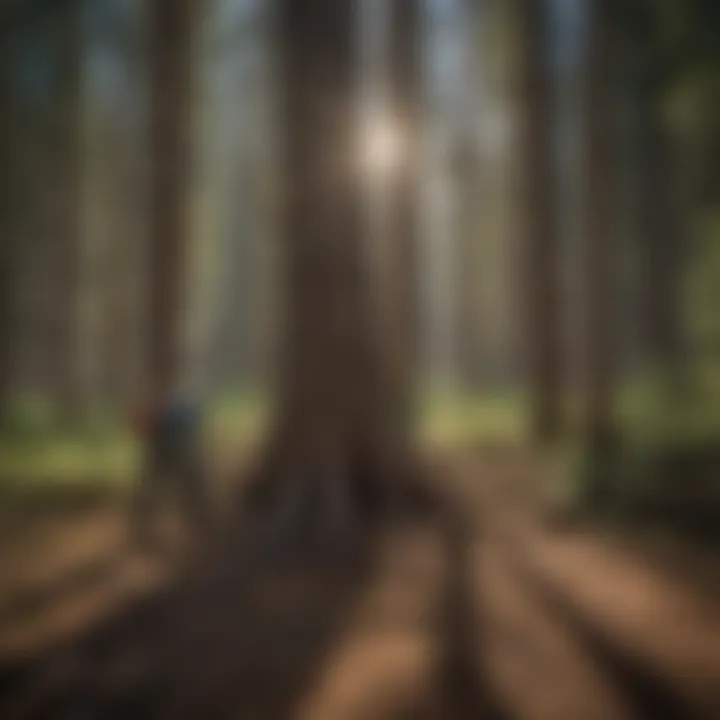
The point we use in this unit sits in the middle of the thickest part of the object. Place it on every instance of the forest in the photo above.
(360, 359)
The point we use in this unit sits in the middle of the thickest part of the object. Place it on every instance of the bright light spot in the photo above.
(382, 146)
(494, 133)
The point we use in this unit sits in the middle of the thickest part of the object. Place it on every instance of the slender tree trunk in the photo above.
(659, 201)
(660, 250)
(171, 35)
(67, 199)
(7, 241)
(474, 345)
(334, 449)
(469, 257)
(543, 337)
(404, 90)
(598, 219)
(119, 276)
(119, 272)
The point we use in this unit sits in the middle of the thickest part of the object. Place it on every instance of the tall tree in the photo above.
(661, 254)
(172, 24)
(659, 210)
(542, 314)
(115, 217)
(598, 228)
(66, 170)
(475, 292)
(333, 448)
(404, 96)
(470, 319)
(672, 59)
(6, 182)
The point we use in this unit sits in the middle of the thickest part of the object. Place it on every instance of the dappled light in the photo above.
(383, 146)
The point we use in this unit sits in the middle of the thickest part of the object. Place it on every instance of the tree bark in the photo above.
(404, 90)
(598, 217)
(67, 214)
(471, 318)
(542, 314)
(334, 450)
(171, 40)
(658, 203)
(474, 317)
(120, 269)
(7, 241)
(660, 243)
(171, 50)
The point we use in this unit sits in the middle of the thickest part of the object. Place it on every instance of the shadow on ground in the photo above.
(242, 634)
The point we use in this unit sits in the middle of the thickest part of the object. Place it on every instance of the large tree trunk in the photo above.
(543, 337)
(334, 448)
(599, 231)
(171, 34)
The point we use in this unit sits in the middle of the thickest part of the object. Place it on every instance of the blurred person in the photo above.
(172, 469)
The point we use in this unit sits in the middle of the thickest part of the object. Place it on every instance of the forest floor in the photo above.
(491, 612)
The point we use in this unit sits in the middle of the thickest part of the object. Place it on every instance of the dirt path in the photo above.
(481, 612)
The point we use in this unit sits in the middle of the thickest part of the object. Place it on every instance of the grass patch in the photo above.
(38, 455)
(67, 461)
(239, 415)
(456, 417)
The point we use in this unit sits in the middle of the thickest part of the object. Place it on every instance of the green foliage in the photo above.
(37, 451)
(653, 411)
(64, 462)
(31, 422)
(239, 414)
(449, 416)
(26, 422)
(703, 288)
(664, 467)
